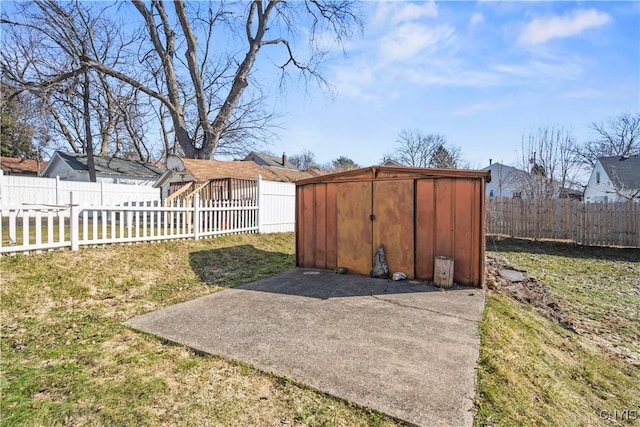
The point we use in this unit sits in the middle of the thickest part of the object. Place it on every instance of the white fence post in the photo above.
(259, 201)
(4, 196)
(73, 224)
(57, 190)
(196, 216)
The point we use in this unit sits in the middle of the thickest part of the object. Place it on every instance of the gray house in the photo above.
(110, 170)
(268, 160)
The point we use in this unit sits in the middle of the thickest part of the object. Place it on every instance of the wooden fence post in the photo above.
(73, 224)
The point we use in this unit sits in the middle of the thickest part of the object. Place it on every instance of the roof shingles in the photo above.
(13, 165)
(111, 165)
(624, 172)
(205, 170)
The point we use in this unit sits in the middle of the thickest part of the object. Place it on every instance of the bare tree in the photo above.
(549, 157)
(618, 136)
(23, 129)
(209, 94)
(42, 55)
(209, 90)
(304, 160)
(415, 149)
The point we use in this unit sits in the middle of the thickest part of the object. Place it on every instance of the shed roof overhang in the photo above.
(394, 172)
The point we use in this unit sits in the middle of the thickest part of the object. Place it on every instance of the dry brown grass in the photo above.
(67, 359)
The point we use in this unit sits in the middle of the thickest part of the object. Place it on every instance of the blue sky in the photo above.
(481, 73)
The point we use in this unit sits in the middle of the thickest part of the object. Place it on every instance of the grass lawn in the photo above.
(534, 372)
(67, 360)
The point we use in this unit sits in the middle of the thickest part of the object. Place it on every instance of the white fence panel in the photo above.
(35, 227)
(277, 201)
(18, 190)
(44, 227)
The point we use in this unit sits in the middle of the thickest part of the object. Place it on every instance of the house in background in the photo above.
(17, 166)
(506, 181)
(614, 179)
(220, 180)
(280, 166)
(391, 162)
(511, 182)
(269, 160)
(111, 170)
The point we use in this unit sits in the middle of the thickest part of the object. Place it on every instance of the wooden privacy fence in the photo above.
(604, 224)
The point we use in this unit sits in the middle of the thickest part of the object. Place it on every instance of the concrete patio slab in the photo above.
(406, 349)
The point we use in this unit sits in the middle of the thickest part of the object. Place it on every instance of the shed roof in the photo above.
(110, 165)
(22, 166)
(395, 172)
(624, 172)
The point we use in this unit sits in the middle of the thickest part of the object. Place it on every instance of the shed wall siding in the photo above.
(415, 219)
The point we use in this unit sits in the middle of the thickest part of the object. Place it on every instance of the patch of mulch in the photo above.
(528, 290)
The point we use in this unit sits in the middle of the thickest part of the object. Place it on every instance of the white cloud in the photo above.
(390, 13)
(476, 19)
(326, 41)
(452, 76)
(413, 12)
(541, 30)
(410, 39)
(472, 109)
(565, 69)
(355, 80)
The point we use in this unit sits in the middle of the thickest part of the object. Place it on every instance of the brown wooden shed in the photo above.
(417, 214)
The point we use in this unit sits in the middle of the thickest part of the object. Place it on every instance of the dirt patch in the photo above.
(525, 289)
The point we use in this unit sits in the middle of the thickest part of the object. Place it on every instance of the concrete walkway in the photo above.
(406, 349)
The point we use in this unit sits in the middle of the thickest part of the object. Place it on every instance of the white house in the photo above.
(614, 179)
(506, 181)
(110, 170)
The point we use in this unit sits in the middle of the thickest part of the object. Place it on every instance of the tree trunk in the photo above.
(87, 127)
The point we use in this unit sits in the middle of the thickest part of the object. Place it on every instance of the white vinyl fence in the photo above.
(29, 227)
(277, 201)
(18, 190)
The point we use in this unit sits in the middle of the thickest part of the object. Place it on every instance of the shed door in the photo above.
(390, 204)
(353, 200)
(393, 225)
